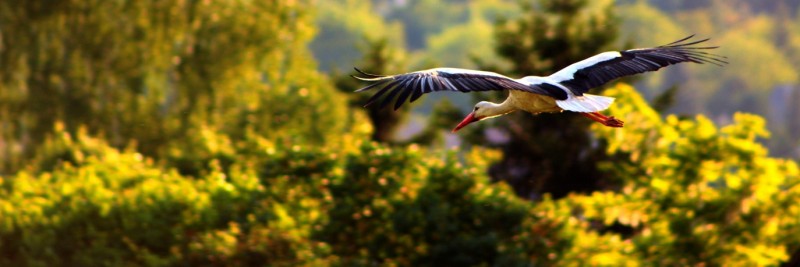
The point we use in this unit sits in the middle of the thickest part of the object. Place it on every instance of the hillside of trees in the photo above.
(226, 133)
(759, 38)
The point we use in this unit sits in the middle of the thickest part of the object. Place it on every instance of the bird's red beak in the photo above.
(469, 119)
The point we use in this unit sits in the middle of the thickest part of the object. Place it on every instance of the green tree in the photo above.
(444, 114)
(552, 152)
(347, 30)
(277, 203)
(152, 72)
(638, 21)
(105, 207)
(756, 73)
(690, 193)
(449, 48)
(422, 18)
(709, 194)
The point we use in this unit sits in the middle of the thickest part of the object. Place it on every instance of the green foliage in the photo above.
(238, 153)
(424, 17)
(148, 71)
(690, 193)
(638, 21)
(277, 204)
(449, 48)
(346, 29)
(114, 208)
(759, 47)
(407, 208)
(444, 114)
(747, 82)
(766, 66)
(709, 194)
(554, 34)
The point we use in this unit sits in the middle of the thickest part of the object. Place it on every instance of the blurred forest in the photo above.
(430, 33)
(226, 133)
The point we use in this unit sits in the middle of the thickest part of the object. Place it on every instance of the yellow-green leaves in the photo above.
(150, 72)
(716, 189)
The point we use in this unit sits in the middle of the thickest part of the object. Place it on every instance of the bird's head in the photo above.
(482, 110)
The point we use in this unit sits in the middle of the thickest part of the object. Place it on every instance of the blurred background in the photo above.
(226, 133)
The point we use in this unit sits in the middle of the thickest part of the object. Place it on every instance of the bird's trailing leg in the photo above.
(609, 121)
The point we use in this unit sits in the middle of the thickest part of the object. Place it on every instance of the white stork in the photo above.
(563, 90)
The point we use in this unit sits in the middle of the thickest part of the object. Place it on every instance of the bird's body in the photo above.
(533, 103)
(563, 90)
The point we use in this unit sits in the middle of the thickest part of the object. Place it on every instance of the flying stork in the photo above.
(563, 90)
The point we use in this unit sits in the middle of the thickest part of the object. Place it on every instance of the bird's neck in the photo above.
(494, 110)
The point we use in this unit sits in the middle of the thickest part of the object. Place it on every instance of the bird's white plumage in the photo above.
(532, 80)
(568, 72)
(585, 103)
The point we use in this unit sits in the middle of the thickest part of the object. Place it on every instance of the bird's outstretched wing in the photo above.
(414, 84)
(604, 67)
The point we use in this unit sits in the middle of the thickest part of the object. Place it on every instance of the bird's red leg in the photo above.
(609, 121)
(593, 117)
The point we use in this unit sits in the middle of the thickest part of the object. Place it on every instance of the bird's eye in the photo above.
(476, 109)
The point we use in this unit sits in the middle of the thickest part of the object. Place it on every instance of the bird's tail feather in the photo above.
(585, 103)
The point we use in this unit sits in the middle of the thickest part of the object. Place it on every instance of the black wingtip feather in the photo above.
(417, 92)
(396, 88)
(415, 95)
(383, 90)
(369, 86)
(401, 99)
(366, 74)
(408, 88)
(690, 43)
(678, 41)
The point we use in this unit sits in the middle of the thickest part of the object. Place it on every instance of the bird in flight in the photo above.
(563, 90)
